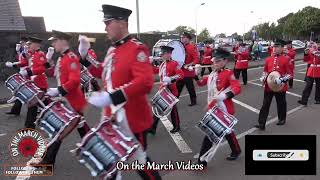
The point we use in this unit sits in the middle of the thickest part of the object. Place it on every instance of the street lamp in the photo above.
(138, 20)
(197, 21)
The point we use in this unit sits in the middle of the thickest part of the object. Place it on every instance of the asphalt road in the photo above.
(164, 146)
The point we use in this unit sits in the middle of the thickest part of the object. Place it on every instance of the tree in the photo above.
(181, 29)
(204, 35)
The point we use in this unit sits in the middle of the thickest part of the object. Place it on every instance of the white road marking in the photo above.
(177, 138)
(301, 81)
(291, 93)
(5, 105)
(25, 175)
(246, 106)
(3, 134)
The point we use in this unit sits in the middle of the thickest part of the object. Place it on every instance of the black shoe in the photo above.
(192, 104)
(261, 127)
(282, 122)
(12, 113)
(233, 157)
(290, 87)
(204, 163)
(317, 102)
(174, 130)
(152, 131)
(301, 102)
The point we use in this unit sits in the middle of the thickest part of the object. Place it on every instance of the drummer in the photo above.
(280, 63)
(169, 73)
(222, 87)
(68, 79)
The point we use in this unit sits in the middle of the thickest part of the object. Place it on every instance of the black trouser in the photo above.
(305, 77)
(244, 74)
(188, 81)
(16, 108)
(32, 113)
(290, 82)
(281, 106)
(207, 144)
(308, 88)
(53, 149)
(175, 120)
(204, 69)
(145, 174)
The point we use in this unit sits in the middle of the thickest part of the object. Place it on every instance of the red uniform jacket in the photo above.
(292, 55)
(68, 77)
(314, 69)
(132, 80)
(225, 79)
(207, 55)
(235, 49)
(192, 58)
(170, 69)
(23, 61)
(280, 63)
(242, 60)
(36, 69)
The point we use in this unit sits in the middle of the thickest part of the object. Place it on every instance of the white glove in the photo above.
(53, 92)
(262, 78)
(9, 64)
(18, 46)
(190, 68)
(167, 80)
(197, 69)
(50, 53)
(83, 47)
(151, 59)
(220, 97)
(23, 73)
(278, 81)
(100, 99)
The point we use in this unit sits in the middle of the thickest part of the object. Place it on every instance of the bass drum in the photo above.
(178, 54)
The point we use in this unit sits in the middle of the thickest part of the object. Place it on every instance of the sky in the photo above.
(218, 16)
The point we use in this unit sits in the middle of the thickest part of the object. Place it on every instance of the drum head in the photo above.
(179, 52)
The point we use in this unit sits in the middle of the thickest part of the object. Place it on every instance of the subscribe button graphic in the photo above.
(280, 155)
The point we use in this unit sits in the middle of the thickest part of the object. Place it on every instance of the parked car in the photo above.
(297, 44)
(265, 46)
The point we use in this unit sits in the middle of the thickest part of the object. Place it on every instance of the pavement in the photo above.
(185, 145)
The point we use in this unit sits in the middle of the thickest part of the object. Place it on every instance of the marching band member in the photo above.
(280, 63)
(67, 73)
(20, 49)
(222, 87)
(169, 74)
(192, 58)
(128, 79)
(313, 74)
(292, 54)
(242, 64)
(310, 48)
(35, 71)
(206, 60)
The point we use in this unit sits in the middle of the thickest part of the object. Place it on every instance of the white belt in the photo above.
(315, 65)
(242, 60)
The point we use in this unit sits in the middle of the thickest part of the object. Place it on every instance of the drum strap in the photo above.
(162, 71)
(57, 71)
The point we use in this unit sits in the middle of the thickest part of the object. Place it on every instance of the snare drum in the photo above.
(162, 102)
(24, 90)
(85, 78)
(57, 121)
(216, 124)
(103, 147)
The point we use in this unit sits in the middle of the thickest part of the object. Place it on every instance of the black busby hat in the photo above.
(34, 39)
(243, 44)
(60, 35)
(279, 42)
(114, 12)
(221, 53)
(186, 34)
(166, 48)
